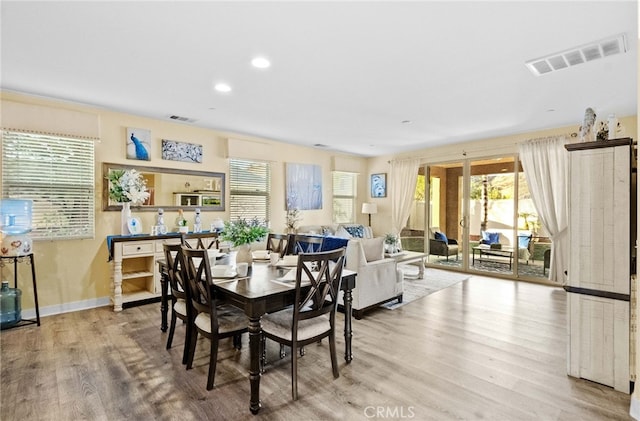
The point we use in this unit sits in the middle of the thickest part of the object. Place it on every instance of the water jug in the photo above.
(10, 306)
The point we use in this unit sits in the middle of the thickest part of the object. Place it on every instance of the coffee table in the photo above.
(409, 257)
(502, 255)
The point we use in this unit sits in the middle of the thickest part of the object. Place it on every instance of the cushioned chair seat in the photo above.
(280, 324)
(180, 306)
(229, 319)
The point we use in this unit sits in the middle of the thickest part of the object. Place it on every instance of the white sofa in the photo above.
(337, 230)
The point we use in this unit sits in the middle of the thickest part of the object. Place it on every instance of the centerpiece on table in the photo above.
(127, 187)
(241, 233)
(293, 217)
(391, 244)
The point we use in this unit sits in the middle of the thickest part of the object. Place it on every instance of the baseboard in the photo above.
(66, 307)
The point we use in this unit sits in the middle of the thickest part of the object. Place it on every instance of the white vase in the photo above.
(243, 255)
(125, 214)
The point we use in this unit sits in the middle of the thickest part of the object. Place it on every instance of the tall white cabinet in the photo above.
(602, 218)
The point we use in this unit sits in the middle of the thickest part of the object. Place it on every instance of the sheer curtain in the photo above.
(403, 177)
(546, 168)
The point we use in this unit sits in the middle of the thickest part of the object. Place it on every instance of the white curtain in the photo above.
(546, 168)
(403, 178)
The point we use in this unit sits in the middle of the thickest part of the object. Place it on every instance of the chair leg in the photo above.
(213, 361)
(294, 372)
(192, 348)
(334, 356)
(172, 328)
(187, 342)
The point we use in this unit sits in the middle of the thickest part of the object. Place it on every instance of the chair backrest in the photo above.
(203, 240)
(198, 274)
(175, 269)
(300, 243)
(278, 243)
(318, 278)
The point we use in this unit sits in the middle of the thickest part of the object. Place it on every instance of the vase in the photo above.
(243, 254)
(125, 214)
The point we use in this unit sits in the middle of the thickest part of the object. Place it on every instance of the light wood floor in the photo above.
(483, 349)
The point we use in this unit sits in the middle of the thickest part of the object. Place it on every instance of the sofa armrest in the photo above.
(453, 242)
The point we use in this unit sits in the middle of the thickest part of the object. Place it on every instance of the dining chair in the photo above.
(313, 315)
(203, 240)
(278, 243)
(212, 319)
(301, 243)
(181, 307)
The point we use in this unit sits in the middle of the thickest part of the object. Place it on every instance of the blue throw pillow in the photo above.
(355, 230)
(490, 237)
(523, 241)
(440, 236)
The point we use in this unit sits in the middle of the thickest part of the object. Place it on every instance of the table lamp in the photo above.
(369, 208)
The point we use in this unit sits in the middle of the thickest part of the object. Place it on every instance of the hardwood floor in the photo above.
(483, 349)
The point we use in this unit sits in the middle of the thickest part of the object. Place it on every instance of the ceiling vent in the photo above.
(183, 119)
(578, 55)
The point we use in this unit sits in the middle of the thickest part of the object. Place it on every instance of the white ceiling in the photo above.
(343, 74)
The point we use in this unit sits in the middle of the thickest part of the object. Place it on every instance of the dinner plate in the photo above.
(134, 225)
(227, 275)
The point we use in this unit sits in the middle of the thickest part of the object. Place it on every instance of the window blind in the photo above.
(344, 196)
(249, 189)
(57, 174)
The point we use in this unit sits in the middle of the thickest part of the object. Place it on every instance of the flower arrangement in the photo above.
(293, 217)
(244, 231)
(127, 186)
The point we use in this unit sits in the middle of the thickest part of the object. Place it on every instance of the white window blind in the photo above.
(344, 196)
(57, 173)
(249, 188)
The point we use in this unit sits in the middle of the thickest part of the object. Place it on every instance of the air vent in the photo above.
(320, 145)
(184, 119)
(578, 55)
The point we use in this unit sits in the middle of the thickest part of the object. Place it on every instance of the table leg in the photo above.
(421, 269)
(254, 367)
(348, 334)
(164, 307)
(35, 289)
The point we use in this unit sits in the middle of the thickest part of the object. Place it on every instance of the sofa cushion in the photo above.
(373, 248)
(356, 231)
(490, 237)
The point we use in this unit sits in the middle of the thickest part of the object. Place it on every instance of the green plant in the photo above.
(391, 239)
(244, 231)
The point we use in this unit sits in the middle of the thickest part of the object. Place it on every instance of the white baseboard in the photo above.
(66, 307)
(634, 408)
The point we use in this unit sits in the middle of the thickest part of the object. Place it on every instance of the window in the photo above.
(249, 187)
(57, 173)
(344, 196)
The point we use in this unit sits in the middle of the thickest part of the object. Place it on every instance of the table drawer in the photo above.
(137, 248)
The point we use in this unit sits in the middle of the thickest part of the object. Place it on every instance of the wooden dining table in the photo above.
(257, 294)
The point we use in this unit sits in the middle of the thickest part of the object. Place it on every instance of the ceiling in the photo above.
(368, 78)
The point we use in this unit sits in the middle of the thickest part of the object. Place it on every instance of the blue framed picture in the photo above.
(379, 185)
(138, 144)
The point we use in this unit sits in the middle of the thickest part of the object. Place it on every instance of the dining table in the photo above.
(262, 291)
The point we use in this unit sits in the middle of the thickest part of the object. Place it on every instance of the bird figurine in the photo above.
(141, 151)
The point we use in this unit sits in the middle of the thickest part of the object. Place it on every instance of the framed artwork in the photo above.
(181, 151)
(138, 144)
(379, 185)
(304, 186)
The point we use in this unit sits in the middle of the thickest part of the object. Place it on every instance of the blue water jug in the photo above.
(10, 306)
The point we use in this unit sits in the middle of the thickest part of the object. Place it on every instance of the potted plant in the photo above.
(391, 243)
(127, 187)
(293, 216)
(241, 233)
(181, 222)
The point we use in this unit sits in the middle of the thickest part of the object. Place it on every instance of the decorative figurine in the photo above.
(197, 223)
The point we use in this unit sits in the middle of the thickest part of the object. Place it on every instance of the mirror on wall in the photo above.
(172, 189)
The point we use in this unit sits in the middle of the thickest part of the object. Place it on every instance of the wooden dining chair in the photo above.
(300, 243)
(200, 240)
(313, 315)
(278, 243)
(181, 307)
(212, 320)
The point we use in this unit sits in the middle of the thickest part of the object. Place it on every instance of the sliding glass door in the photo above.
(480, 218)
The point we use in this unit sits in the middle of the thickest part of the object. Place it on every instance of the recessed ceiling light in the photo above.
(260, 63)
(222, 87)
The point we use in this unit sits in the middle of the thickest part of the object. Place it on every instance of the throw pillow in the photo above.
(356, 231)
(440, 236)
(523, 241)
(343, 233)
(490, 237)
(373, 248)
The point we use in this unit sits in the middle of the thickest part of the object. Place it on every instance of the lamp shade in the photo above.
(369, 208)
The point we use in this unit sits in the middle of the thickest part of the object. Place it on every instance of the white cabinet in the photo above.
(601, 235)
(135, 275)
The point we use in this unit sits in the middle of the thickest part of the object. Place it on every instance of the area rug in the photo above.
(434, 280)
